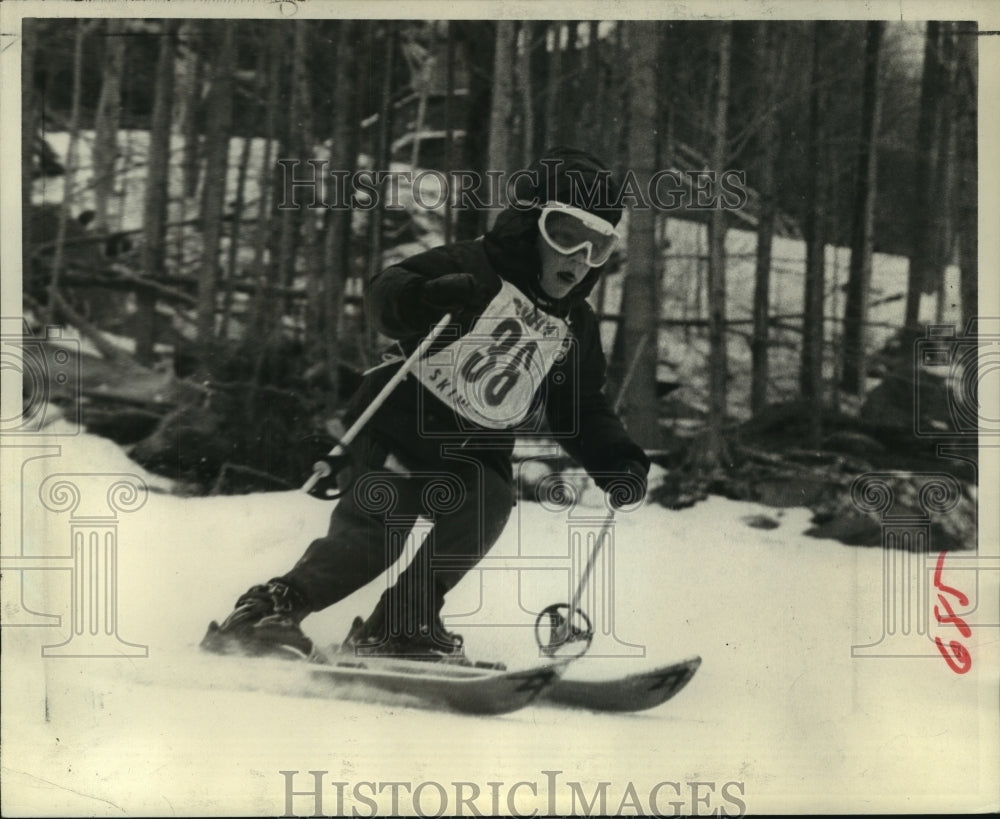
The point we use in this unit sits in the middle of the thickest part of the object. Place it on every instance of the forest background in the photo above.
(768, 352)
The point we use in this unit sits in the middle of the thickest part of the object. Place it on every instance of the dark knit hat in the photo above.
(573, 176)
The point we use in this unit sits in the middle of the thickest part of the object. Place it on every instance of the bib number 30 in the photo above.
(491, 375)
(497, 369)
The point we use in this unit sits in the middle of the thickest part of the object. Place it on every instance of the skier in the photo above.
(524, 357)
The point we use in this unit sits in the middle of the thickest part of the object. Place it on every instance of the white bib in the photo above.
(490, 375)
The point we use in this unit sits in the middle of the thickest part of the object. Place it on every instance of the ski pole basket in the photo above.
(558, 627)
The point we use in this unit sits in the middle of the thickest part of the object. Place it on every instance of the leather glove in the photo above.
(628, 487)
(456, 293)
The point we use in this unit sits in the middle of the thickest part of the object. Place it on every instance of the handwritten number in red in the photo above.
(955, 654)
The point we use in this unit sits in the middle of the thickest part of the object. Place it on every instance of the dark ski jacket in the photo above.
(415, 425)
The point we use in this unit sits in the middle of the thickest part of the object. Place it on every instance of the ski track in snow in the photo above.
(778, 704)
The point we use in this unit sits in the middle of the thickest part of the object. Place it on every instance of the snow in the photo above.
(780, 717)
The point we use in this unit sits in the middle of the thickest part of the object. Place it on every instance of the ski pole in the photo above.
(553, 629)
(324, 468)
(574, 603)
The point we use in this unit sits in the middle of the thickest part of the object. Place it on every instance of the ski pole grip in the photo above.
(322, 483)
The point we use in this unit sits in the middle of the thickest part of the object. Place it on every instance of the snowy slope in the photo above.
(779, 718)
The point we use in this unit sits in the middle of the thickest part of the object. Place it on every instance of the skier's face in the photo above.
(561, 272)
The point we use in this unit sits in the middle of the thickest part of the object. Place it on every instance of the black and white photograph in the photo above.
(499, 409)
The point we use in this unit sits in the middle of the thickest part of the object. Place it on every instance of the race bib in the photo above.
(490, 376)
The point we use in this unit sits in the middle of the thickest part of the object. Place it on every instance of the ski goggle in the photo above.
(568, 230)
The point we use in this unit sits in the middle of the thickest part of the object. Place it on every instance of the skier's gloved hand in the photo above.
(455, 293)
(629, 485)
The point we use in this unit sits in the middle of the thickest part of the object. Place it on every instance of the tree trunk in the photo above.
(592, 98)
(967, 183)
(449, 131)
(766, 63)
(217, 135)
(269, 61)
(337, 241)
(529, 31)
(813, 325)
(569, 104)
(285, 245)
(614, 136)
(382, 156)
(420, 80)
(478, 40)
(502, 109)
(154, 212)
(540, 84)
(190, 104)
(718, 357)
(29, 142)
(69, 177)
(859, 277)
(303, 143)
(553, 97)
(642, 297)
(927, 145)
(105, 150)
(943, 223)
(239, 203)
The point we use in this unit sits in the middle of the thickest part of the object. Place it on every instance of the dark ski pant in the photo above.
(468, 504)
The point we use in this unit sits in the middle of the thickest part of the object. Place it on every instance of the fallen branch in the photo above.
(149, 284)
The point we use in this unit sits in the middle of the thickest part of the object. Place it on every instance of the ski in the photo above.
(468, 688)
(631, 692)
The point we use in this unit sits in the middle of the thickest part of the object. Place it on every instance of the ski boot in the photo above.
(265, 622)
(376, 637)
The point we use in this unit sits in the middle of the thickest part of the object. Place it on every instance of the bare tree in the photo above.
(449, 130)
(156, 194)
(383, 150)
(269, 65)
(862, 230)
(813, 335)
(303, 140)
(718, 357)
(767, 44)
(928, 124)
(69, 179)
(553, 95)
(943, 225)
(529, 32)
(29, 142)
(966, 146)
(592, 97)
(337, 240)
(189, 82)
(642, 296)
(105, 149)
(502, 112)
(217, 136)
